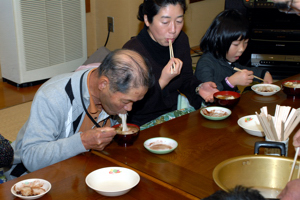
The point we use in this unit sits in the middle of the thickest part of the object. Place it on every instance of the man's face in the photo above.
(118, 102)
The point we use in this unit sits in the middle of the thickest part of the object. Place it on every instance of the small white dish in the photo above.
(259, 89)
(16, 188)
(160, 145)
(112, 181)
(251, 125)
(219, 111)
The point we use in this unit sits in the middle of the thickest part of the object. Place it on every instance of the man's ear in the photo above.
(103, 83)
(146, 21)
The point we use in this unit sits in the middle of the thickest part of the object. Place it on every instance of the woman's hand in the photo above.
(243, 77)
(207, 90)
(168, 73)
(268, 78)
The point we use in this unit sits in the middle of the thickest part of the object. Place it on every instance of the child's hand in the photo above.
(243, 77)
(168, 73)
(268, 78)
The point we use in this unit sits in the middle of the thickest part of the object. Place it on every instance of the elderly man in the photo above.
(73, 113)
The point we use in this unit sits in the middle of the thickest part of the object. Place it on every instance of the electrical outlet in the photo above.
(110, 24)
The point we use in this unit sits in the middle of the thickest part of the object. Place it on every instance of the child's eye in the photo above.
(179, 22)
(165, 22)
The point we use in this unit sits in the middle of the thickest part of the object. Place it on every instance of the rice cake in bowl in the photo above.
(227, 99)
(31, 188)
(291, 87)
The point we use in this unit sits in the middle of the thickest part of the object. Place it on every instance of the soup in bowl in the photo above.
(126, 138)
(227, 99)
(291, 87)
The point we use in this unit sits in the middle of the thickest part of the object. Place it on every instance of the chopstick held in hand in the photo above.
(171, 55)
(237, 69)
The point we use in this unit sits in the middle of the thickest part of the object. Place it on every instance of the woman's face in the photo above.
(236, 49)
(166, 25)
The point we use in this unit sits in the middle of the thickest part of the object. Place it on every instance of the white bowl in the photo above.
(112, 181)
(256, 87)
(160, 145)
(251, 125)
(30, 182)
(217, 109)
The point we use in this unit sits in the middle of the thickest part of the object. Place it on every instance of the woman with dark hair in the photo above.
(163, 24)
(223, 43)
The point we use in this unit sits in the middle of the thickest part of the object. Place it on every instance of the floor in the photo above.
(11, 95)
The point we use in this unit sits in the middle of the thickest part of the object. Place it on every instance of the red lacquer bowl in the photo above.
(228, 103)
(128, 138)
(291, 90)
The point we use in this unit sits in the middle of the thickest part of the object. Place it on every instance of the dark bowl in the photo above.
(129, 138)
(290, 90)
(228, 103)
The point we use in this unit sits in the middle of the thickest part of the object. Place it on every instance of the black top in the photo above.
(6, 152)
(157, 102)
(212, 69)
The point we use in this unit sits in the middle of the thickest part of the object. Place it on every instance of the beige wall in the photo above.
(197, 19)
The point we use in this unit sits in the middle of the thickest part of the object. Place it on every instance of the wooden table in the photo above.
(202, 144)
(68, 182)
(186, 173)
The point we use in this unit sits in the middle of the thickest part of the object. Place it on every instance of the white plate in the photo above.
(112, 181)
(217, 109)
(28, 182)
(276, 89)
(163, 145)
(251, 125)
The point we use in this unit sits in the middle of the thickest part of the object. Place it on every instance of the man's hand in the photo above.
(295, 5)
(97, 138)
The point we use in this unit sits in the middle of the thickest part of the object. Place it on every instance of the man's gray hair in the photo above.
(126, 69)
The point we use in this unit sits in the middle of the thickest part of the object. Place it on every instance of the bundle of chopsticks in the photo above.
(171, 55)
(281, 125)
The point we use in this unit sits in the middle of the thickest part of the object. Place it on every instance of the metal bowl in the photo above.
(267, 174)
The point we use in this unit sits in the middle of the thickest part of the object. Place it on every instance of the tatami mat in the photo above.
(12, 119)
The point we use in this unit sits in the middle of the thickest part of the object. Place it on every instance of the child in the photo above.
(223, 43)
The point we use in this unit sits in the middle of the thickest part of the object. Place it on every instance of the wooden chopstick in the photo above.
(293, 166)
(237, 69)
(171, 55)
